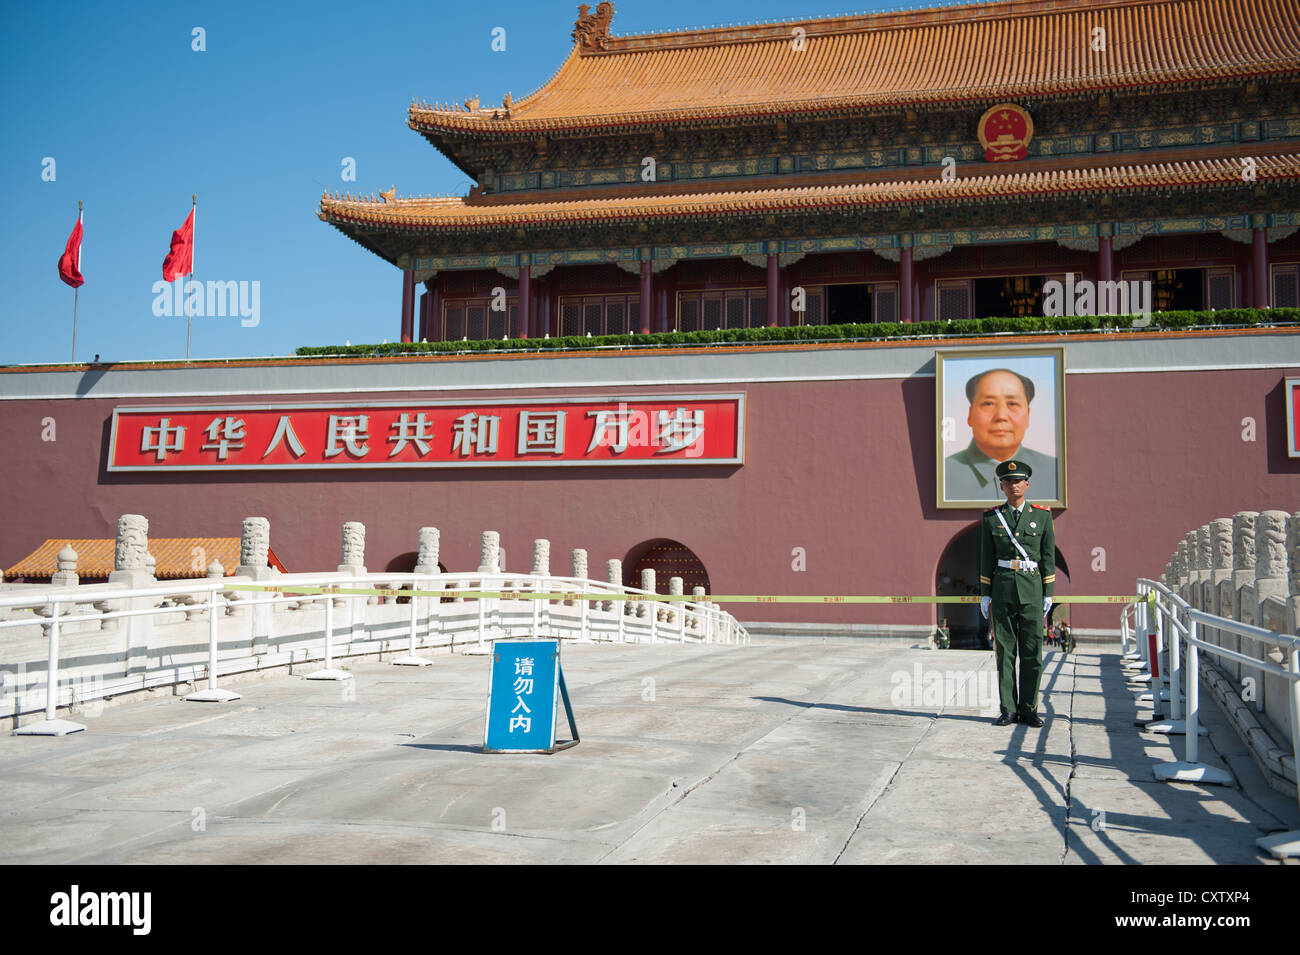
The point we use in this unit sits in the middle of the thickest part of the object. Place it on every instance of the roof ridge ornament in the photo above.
(591, 31)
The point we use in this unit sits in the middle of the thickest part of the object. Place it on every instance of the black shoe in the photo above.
(1015, 718)
(1002, 720)
(1032, 719)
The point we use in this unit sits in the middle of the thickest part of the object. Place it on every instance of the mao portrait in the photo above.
(993, 406)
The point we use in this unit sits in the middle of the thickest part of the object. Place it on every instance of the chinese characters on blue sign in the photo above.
(524, 686)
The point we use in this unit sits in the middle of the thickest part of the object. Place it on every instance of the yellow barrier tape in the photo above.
(667, 598)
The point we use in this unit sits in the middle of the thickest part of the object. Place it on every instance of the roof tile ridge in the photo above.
(970, 11)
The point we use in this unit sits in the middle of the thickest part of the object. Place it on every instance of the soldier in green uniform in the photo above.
(1017, 577)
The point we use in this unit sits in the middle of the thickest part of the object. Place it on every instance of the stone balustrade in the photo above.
(1245, 568)
(162, 639)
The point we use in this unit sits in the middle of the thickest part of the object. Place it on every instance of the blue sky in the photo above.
(258, 125)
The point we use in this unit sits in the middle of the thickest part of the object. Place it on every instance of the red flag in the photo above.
(70, 260)
(180, 260)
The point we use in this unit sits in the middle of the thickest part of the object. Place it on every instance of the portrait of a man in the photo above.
(993, 407)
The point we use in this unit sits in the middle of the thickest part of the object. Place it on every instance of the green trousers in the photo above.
(1018, 629)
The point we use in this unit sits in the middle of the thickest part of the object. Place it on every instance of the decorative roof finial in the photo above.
(591, 31)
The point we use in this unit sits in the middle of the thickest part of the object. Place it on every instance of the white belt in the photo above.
(1019, 564)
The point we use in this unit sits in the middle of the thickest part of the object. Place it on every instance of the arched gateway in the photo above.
(958, 575)
(667, 558)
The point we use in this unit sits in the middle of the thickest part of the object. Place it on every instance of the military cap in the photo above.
(1013, 469)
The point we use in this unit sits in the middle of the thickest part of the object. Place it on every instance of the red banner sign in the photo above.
(569, 431)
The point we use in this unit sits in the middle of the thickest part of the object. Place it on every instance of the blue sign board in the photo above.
(524, 686)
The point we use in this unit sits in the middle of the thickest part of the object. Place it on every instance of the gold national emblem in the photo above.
(1011, 466)
(1005, 131)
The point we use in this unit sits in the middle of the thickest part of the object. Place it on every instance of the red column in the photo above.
(1105, 264)
(646, 307)
(665, 312)
(525, 301)
(433, 330)
(422, 314)
(773, 289)
(546, 308)
(408, 302)
(1259, 261)
(905, 291)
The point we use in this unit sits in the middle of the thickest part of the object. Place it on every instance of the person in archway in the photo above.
(1017, 579)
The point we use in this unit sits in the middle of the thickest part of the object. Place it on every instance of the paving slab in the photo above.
(781, 752)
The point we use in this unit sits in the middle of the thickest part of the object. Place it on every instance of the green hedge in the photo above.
(966, 328)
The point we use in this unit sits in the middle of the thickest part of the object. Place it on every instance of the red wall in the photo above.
(844, 470)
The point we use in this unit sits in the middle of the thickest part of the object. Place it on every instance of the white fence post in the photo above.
(412, 659)
(51, 725)
(212, 694)
(328, 672)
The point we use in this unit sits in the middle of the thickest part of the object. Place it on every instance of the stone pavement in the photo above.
(802, 752)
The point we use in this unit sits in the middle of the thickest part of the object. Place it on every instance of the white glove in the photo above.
(1047, 605)
(984, 606)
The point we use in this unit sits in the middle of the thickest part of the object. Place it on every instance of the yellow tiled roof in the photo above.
(636, 202)
(1023, 48)
(176, 557)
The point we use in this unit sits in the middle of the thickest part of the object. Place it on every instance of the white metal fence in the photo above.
(1164, 635)
(77, 646)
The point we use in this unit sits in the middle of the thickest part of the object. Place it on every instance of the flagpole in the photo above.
(75, 292)
(189, 316)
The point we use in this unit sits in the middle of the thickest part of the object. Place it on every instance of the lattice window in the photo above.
(597, 314)
(953, 300)
(476, 326)
(734, 308)
(474, 319)
(1177, 248)
(1006, 256)
(814, 312)
(570, 319)
(1286, 286)
(729, 308)
(453, 323)
(499, 323)
(1220, 286)
(711, 311)
(616, 318)
(884, 302)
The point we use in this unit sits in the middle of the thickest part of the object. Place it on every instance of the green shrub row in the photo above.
(965, 328)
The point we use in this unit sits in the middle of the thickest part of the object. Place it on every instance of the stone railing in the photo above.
(1245, 568)
(135, 633)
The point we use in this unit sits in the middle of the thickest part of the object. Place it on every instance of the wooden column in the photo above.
(433, 313)
(665, 312)
(525, 301)
(905, 290)
(1259, 263)
(773, 289)
(408, 302)
(1105, 266)
(920, 287)
(646, 307)
(548, 298)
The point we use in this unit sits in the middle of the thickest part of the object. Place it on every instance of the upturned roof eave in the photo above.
(429, 121)
(349, 220)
